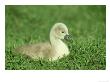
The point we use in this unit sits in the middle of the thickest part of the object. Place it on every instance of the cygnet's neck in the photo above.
(55, 41)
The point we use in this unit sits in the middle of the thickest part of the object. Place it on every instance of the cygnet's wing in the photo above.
(36, 50)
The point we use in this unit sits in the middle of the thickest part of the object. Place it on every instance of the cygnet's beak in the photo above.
(67, 37)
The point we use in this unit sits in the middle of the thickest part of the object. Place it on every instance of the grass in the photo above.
(31, 24)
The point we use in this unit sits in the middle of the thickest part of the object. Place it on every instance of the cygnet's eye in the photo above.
(62, 31)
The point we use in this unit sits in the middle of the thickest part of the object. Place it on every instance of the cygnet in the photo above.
(52, 50)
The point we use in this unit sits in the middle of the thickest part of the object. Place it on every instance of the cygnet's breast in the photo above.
(61, 49)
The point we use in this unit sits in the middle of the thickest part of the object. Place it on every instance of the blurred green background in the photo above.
(31, 24)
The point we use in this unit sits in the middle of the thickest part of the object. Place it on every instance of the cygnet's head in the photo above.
(59, 31)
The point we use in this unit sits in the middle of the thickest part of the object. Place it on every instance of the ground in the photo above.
(31, 24)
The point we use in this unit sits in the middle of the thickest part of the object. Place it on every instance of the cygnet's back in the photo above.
(35, 51)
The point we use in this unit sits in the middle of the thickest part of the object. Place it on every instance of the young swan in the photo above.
(52, 50)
